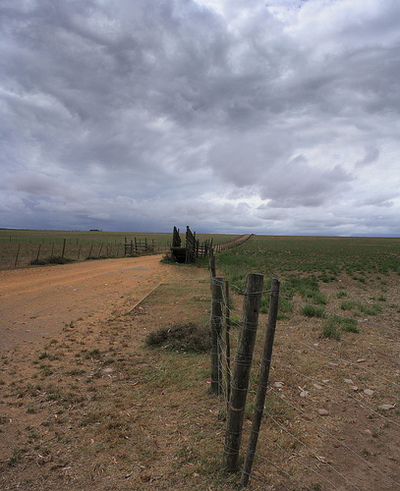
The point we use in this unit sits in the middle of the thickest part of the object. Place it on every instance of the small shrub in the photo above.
(38, 262)
(348, 304)
(373, 309)
(326, 278)
(312, 311)
(333, 326)
(349, 325)
(95, 353)
(331, 329)
(319, 298)
(15, 457)
(182, 337)
(59, 260)
(46, 370)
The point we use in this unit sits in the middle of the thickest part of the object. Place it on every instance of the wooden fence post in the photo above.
(211, 264)
(16, 258)
(38, 253)
(241, 374)
(216, 335)
(63, 250)
(228, 342)
(263, 381)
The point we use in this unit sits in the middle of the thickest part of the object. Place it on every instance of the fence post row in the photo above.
(262, 382)
(241, 373)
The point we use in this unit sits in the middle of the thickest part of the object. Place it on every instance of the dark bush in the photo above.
(182, 337)
(59, 260)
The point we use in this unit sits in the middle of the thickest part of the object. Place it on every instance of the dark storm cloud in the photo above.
(240, 113)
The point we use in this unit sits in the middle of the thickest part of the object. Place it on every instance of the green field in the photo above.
(355, 277)
(324, 257)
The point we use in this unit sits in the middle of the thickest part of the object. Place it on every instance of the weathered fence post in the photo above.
(216, 335)
(211, 264)
(228, 342)
(38, 253)
(16, 258)
(263, 381)
(63, 249)
(241, 373)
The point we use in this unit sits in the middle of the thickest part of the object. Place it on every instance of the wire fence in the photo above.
(331, 415)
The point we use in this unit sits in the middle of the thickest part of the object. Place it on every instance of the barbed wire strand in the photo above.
(360, 367)
(336, 439)
(307, 447)
(305, 465)
(309, 378)
(359, 401)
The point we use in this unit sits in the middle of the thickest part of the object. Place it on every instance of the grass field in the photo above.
(324, 257)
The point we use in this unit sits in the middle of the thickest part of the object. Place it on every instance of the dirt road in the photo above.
(38, 302)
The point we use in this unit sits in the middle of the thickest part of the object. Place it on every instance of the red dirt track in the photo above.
(38, 302)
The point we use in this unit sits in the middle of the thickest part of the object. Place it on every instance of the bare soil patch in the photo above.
(83, 401)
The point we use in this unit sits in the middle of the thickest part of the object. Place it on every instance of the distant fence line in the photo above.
(232, 244)
(15, 254)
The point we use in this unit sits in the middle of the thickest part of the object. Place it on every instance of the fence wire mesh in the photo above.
(327, 413)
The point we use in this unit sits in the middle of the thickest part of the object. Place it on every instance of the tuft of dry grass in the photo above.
(181, 337)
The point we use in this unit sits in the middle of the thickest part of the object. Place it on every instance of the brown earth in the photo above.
(86, 405)
(75, 410)
(38, 302)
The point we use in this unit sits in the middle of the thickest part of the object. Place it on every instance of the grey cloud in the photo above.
(296, 183)
(120, 108)
(371, 156)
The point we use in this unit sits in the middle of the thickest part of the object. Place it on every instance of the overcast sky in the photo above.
(231, 116)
